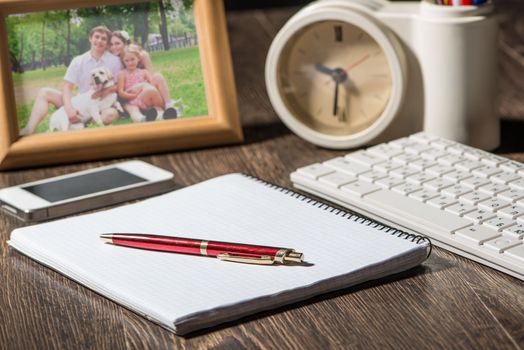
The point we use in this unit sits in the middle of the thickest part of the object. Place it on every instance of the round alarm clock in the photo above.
(336, 76)
(344, 73)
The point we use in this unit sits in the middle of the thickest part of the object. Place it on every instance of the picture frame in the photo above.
(221, 125)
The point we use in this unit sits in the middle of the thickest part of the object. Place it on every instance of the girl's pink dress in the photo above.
(132, 79)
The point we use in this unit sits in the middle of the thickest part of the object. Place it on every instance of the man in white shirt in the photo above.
(78, 74)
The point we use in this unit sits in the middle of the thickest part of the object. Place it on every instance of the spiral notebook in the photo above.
(184, 293)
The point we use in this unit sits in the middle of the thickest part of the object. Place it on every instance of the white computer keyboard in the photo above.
(465, 200)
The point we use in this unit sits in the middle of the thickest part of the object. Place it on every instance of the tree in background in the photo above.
(43, 39)
(163, 25)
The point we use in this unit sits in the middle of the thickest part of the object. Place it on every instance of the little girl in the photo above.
(135, 85)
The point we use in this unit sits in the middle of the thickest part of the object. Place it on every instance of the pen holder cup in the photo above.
(458, 54)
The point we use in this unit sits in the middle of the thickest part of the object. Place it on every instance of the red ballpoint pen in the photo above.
(236, 252)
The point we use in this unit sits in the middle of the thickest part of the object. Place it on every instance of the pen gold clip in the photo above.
(261, 260)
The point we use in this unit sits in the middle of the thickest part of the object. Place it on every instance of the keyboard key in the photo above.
(359, 188)
(450, 159)
(457, 176)
(511, 195)
(421, 164)
(433, 154)
(386, 167)
(437, 184)
(492, 189)
(346, 166)
(493, 160)
(424, 195)
(364, 158)
(314, 171)
(406, 188)
(499, 223)
(443, 144)
(337, 179)
(405, 159)
(461, 208)
(493, 204)
(518, 184)
(511, 212)
(457, 149)
(468, 165)
(476, 234)
(474, 153)
(389, 182)
(512, 166)
(474, 182)
(402, 143)
(403, 172)
(372, 176)
(515, 230)
(416, 148)
(385, 151)
(441, 202)
(504, 178)
(486, 171)
(456, 191)
(423, 137)
(473, 197)
(439, 170)
(500, 244)
(480, 215)
(419, 178)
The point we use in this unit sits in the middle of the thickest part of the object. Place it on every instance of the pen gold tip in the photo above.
(294, 257)
(107, 237)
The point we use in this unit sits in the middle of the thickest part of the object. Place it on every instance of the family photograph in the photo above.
(105, 65)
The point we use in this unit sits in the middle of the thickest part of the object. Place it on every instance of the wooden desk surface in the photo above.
(448, 302)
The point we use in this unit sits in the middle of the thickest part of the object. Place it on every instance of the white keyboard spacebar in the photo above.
(413, 214)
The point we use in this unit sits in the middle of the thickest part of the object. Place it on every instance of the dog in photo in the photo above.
(88, 107)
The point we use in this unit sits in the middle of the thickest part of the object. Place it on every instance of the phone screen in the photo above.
(82, 185)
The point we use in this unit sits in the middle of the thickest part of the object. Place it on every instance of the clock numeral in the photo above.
(338, 33)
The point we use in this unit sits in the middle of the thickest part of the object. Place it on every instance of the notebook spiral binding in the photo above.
(346, 213)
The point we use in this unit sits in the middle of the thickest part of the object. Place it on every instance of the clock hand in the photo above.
(340, 76)
(323, 69)
(354, 64)
(335, 102)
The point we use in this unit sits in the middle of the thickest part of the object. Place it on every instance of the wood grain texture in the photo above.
(448, 302)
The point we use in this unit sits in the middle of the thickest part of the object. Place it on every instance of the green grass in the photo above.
(181, 69)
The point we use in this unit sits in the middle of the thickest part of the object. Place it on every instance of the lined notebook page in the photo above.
(175, 288)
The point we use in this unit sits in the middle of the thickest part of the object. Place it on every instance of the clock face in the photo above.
(334, 78)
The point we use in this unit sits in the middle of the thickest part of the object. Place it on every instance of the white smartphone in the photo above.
(84, 190)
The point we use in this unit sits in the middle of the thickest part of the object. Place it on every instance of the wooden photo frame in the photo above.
(220, 125)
